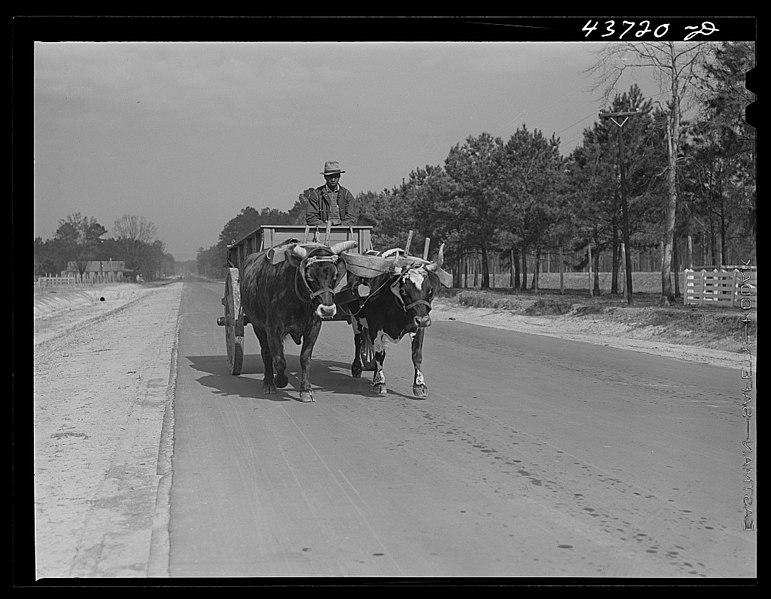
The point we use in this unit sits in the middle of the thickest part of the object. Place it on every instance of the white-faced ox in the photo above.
(399, 303)
(286, 291)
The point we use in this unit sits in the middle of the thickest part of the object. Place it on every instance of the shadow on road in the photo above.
(327, 376)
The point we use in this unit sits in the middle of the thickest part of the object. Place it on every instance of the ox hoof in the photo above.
(420, 391)
(281, 380)
(356, 371)
(268, 388)
(380, 388)
(306, 396)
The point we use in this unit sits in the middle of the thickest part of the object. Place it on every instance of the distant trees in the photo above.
(491, 197)
(211, 261)
(133, 234)
(477, 199)
(719, 175)
(531, 179)
(594, 182)
(79, 239)
(689, 164)
(679, 67)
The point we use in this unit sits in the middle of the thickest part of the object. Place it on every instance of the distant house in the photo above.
(100, 271)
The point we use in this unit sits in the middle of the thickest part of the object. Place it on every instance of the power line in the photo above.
(576, 123)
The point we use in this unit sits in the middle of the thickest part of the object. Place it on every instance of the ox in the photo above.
(287, 291)
(399, 302)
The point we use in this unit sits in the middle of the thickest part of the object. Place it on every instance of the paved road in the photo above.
(532, 456)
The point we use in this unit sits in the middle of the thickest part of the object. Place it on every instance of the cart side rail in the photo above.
(268, 236)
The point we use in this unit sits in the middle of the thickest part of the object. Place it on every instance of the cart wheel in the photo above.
(234, 322)
(367, 352)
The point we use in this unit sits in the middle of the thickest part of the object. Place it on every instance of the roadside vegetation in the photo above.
(683, 163)
(712, 327)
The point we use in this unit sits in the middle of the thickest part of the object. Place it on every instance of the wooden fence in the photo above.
(45, 281)
(86, 279)
(737, 288)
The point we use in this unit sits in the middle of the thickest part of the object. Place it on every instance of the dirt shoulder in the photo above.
(691, 334)
(61, 309)
(104, 372)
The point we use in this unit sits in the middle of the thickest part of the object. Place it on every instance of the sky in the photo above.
(187, 134)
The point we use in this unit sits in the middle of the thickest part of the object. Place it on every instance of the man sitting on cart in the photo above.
(330, 202)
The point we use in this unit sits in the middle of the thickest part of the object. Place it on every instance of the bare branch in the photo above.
(135, 228)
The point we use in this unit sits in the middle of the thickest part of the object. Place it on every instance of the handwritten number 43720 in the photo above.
(643, 28)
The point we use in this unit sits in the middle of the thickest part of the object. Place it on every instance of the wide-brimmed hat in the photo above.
(332, 167)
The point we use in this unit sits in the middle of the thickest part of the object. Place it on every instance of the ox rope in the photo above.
(369, 297)
(415, 303)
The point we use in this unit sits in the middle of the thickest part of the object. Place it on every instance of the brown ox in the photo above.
(289, 294)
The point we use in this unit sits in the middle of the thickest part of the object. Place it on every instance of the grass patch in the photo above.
(548, 306)
(590, 309)
(489, 299)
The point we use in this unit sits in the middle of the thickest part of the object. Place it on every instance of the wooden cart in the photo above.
(264, 238)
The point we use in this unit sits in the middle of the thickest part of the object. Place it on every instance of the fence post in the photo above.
(562, 273)
(491, 258)
(591, 284)
(511, 268)
(705, 279)
(623, 268)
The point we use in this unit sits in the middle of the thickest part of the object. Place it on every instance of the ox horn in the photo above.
(343, 246)
(299, 251)
(439, 260)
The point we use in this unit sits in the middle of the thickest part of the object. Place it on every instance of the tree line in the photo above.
(686, 161)
(80, 239)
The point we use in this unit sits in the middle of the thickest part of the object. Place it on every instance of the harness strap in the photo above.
(300, 296)
(406, 307)
(417, 302)
(392, 281)
(320, 291)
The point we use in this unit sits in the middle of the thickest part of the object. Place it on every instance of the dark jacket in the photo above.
(318, 206)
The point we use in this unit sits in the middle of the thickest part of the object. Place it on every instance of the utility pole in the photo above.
(624, 117)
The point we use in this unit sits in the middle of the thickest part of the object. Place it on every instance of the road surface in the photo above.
(532, 456)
